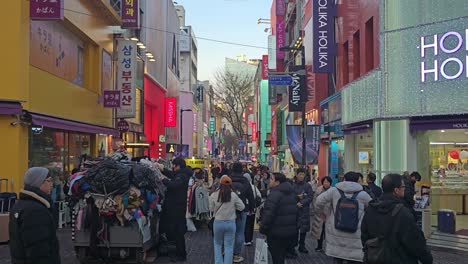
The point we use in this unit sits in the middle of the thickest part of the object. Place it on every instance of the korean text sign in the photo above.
(170, 119)
(111, 99)
(46, 9)
(126, 77)
(130, 14)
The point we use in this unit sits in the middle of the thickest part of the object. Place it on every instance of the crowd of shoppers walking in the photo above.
(355, 221)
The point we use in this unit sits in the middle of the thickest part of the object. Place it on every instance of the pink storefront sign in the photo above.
(46, 9)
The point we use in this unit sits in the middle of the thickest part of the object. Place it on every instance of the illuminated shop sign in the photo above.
(444, 56)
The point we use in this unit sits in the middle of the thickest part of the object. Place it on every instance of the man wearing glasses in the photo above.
(33, 236)
(389, 232)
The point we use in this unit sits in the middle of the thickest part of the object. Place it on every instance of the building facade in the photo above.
(410, 113)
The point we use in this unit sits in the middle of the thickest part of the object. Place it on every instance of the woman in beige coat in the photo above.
(318, 221)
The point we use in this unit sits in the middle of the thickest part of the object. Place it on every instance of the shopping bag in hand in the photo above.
(261, 251)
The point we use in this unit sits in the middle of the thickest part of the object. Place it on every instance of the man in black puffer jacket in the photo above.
(387, 220)
(173, 221)
(279, 222)
(242, 187)
(33, 238)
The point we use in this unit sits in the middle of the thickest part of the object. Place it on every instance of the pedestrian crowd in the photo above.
(352, 221)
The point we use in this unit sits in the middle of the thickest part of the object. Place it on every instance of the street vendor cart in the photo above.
(116, 206)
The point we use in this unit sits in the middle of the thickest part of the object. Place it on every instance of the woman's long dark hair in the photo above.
(224, 193)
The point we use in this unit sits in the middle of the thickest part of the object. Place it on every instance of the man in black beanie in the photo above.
(32, 227)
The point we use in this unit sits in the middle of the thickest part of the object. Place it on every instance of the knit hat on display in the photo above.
(35, 176)
(226, 180)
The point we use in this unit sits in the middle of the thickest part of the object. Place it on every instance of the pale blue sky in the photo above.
(226, 20)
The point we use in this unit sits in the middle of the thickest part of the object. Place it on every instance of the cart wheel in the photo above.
(81, 255)
(140, 256)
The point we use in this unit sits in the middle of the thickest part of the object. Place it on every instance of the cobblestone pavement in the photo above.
(200, 251)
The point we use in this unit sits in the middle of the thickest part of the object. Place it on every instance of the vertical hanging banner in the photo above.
(271, 52)
(130, 14)
(280, 7)
(212, 126)
(280, 38)
(297, 93)
(323, 27)
(265, 67)
(312, 143)
(46, 9)
(294, 135)
(126, 77)
(170, 118)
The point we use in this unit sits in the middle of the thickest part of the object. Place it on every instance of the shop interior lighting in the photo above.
(142, 47)
(152, 60)
(140, 43)
(442, 131)
(134, 38)
(137, 144)
(150, 56)
(442, 143)
(461, 143)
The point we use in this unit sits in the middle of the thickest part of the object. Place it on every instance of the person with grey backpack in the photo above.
(389, 233)
(347, 202)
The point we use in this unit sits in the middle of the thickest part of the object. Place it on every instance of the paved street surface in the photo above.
(200, 251)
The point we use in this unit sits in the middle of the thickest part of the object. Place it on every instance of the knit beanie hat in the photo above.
(35, 176)
(226, 180)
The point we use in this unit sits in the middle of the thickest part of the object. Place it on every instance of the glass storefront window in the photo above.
(365, 152)
(444, 156)
(79, 145)
(48, 148)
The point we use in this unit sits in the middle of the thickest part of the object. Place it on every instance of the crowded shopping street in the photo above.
(234, 131)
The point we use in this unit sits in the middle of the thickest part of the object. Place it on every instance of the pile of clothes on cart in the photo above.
(116, 191)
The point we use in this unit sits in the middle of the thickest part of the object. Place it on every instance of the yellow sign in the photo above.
(195, 163)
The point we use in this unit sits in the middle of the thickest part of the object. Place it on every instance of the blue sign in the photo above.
(282, 80)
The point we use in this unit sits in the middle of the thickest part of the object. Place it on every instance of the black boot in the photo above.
(302, 247)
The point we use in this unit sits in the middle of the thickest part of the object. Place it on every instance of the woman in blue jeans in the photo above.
(224, 203)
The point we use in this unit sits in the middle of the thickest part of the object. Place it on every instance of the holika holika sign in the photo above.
(444, 56)
(323, 27)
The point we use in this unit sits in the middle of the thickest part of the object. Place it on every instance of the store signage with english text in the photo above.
(323, 28)
(444, 56)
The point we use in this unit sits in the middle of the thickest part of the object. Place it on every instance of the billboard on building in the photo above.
(184, 39)
(264, 67)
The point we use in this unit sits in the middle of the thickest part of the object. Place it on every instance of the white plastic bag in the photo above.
(261, 251)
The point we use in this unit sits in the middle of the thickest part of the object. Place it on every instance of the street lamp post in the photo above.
(181, 125)
(304, 122)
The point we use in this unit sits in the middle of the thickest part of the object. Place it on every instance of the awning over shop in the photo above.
(357, 128)
(442, 122)
(10, 108)
(64, 124)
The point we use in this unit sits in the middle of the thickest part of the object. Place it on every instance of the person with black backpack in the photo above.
(241, 186)
(389, 233)
(347, 202)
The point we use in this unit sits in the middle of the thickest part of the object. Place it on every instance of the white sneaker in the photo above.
(247, 243)
(237, 259)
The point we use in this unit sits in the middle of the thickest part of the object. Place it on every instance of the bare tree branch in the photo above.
(233, 94)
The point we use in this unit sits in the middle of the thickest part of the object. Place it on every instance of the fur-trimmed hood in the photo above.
(30, 194)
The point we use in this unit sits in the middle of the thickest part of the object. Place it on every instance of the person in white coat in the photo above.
(340, 245)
